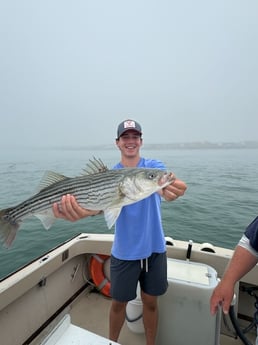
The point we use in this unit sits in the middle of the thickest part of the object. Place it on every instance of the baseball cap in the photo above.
(128, 125)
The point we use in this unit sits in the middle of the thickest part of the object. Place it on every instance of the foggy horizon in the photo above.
(71, 72)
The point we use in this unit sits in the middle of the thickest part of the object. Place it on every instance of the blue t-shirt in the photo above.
(138, 229)
(251, 233)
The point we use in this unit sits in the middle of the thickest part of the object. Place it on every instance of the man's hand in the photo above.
(69, 209)
(174, 190)
(222, 296)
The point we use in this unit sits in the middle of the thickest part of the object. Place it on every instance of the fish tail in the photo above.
(8, 228)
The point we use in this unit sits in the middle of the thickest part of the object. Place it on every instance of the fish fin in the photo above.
(8, 229)
(111, 215)
(95, 166)
(47, 218)
(49, 178)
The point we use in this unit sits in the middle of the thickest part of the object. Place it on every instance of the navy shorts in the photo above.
(150, 272)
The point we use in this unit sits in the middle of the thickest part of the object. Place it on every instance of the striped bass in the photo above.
(98, 188)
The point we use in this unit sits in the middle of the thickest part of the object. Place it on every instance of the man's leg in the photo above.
(116, 319)
(150, 317)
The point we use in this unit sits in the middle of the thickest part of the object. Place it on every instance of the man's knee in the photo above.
(117, 306)
(149, 302)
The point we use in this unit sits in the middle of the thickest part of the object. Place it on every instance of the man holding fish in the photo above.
(139, 250)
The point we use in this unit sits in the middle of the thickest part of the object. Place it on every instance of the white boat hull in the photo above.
(34, 299)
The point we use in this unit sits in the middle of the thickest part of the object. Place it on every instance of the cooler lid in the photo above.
(190, 272)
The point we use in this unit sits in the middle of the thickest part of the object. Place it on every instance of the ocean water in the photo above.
(221, 199)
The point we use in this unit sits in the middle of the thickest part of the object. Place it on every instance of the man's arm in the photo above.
(241, 263)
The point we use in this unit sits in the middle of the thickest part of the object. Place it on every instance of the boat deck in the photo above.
(91, 311)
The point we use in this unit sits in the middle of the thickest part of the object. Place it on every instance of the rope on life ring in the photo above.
(99, 278)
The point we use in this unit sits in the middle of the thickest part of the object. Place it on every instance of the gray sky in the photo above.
(70, 71)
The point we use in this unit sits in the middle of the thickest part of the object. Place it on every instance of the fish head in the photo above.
(139, 183)
(166, 179)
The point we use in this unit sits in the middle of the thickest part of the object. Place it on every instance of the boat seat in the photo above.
(65, 333)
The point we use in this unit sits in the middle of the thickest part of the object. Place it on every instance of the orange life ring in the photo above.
(102, 283)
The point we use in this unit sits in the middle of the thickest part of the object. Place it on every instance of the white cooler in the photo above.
(184, 311)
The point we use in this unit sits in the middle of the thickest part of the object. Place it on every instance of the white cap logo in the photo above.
(129, 124)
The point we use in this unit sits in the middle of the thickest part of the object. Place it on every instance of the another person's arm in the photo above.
(243, 260)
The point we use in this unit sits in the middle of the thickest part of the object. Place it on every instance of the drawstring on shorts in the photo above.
(146, 264)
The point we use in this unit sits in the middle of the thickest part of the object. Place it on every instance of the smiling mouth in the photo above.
(130, 147)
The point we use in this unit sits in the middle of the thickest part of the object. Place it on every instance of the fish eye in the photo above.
(151, 176)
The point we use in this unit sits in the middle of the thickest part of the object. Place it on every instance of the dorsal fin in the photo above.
(95, 166)
(49, 178)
